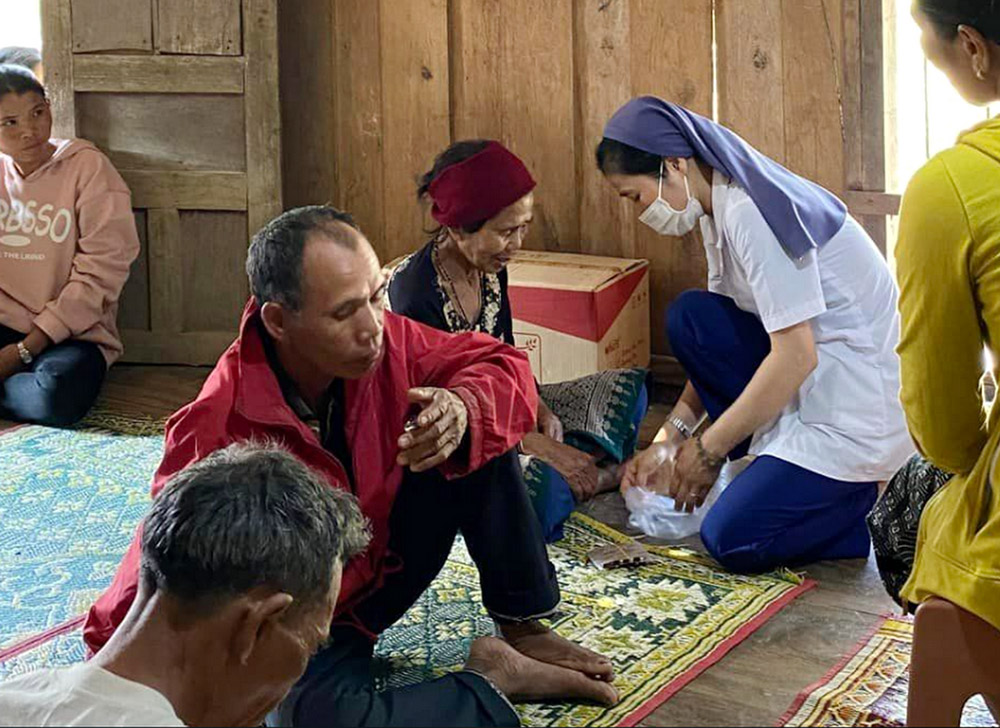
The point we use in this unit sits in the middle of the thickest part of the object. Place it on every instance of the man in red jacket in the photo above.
(421, 426)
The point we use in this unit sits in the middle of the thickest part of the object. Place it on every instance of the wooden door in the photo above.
(182, 95)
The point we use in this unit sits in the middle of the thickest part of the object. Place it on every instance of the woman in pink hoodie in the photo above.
(67, 239)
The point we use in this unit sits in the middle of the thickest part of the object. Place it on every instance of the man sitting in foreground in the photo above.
(241, 567)
(421, 425)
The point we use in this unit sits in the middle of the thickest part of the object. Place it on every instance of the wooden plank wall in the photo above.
(372, 89)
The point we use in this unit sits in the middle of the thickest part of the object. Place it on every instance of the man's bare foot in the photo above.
(537, 641)
(523, 679)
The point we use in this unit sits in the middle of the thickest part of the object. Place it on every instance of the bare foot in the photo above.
(609, 477)
(537, 641)
(523, 679)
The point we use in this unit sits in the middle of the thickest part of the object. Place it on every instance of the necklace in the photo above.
(439, 265)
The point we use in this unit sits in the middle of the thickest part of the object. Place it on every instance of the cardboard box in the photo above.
(579, 314)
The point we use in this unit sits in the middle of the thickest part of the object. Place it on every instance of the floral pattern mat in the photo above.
(661, 624)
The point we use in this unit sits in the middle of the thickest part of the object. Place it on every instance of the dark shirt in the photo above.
(415, 291)
(328, 419)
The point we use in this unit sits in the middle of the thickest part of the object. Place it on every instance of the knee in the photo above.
(62, 400)
(351, 709)
(681, 317)
(730, 540)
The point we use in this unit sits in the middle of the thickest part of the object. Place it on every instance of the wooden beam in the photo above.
(872, 203)
(57, 30)
(602, 59)
(159, 74)
(852, 95)
(166, 273)
(873, 113)
(263, 112)
(187, 190)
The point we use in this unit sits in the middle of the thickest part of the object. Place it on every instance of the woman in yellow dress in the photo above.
(948, 263)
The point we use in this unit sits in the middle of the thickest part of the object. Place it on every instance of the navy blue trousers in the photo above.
(774, 513)
(58, 388)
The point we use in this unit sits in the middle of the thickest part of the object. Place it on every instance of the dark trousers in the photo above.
(492, 510)
(58, 388)
(775, 513)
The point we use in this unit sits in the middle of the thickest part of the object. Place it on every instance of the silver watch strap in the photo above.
(681, 426)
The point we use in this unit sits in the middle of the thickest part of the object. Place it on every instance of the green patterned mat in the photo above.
(661, 625)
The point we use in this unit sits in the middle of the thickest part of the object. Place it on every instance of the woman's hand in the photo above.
(548, 424)
(651, 468)
(693, 477)
(10, 362)
(441, 427)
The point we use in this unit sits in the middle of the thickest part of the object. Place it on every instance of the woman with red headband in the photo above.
(482, 196)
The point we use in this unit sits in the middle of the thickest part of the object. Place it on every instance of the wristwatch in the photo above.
(26, 356)
(681, 427)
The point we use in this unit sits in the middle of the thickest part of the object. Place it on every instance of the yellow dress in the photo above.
(948, 263)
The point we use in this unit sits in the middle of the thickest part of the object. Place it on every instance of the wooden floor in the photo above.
(753, 685)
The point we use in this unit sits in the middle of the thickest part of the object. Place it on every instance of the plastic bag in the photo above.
(654, 514)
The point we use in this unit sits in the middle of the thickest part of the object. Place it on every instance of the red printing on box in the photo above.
(584, 314)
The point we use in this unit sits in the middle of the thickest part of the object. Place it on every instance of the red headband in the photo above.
(476, 189)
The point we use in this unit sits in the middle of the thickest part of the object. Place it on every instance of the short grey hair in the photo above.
(274, 262)
(247, 516)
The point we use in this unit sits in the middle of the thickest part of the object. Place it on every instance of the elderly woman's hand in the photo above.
(548, 423)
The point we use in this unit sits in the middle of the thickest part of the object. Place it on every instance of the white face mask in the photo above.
(665, 220)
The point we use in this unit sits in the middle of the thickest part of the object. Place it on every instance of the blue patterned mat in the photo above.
(70, 501)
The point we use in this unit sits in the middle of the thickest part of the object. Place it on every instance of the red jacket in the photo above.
(242, 400)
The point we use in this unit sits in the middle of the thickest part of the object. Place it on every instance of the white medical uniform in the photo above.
(846, 422)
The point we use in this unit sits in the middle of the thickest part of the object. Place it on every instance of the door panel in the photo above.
(182, 95)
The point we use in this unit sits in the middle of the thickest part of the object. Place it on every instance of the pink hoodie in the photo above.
(67, 239)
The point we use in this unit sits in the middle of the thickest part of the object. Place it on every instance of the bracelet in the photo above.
(710, 461)
(681, 426)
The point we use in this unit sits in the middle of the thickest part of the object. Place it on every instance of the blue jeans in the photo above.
(774, 513)
(58, 388)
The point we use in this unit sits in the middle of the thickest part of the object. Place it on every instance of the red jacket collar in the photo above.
(258, 395)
